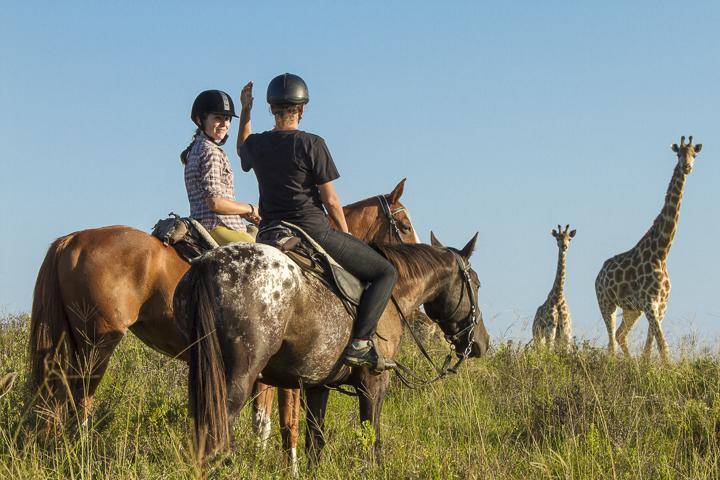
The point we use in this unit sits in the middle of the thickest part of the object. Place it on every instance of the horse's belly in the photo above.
(315, 338)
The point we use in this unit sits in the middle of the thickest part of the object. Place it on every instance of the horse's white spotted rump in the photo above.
(244, 260)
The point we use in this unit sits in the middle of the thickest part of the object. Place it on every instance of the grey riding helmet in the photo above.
(287, 89)
(212, 101)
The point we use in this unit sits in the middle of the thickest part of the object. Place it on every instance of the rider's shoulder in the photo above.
(311, 139)
(204, 147)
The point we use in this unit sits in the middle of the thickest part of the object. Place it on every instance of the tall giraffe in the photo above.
(637, 280)
(552, 322)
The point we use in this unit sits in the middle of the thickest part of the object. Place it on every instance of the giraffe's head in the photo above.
(686, 153)
(563, 236)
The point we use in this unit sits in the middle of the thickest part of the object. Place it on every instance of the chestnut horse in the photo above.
(247, 309)
(96, 284)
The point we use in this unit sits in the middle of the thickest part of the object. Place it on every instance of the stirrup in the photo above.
(382, 365)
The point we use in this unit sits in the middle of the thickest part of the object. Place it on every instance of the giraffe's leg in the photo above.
(563, 336)
(629, 318)
(608, 313)
(654, 320)
(538, 331)
(262, 410)
(647, 349)
(289, 408)
(550, 334)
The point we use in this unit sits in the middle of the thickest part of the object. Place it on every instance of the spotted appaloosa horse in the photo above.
(362, 222)
(247, 309)
(96, 284)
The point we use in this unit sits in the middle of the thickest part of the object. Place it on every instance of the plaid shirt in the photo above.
(208, 174)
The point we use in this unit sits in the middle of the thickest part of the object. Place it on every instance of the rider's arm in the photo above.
(226, 206)
(244, 127)
(331, 200)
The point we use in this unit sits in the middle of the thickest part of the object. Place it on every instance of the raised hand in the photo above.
(246, 98)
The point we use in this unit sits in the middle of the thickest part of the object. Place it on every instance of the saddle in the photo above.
(189, 238)
(314, 260)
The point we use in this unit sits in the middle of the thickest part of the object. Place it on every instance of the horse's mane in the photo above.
(361, 203)
(414, 261)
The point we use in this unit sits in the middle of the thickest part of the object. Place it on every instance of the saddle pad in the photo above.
(349, 285)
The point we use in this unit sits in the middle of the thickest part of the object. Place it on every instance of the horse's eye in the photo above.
(404, 227)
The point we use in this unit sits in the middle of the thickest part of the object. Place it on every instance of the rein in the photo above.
(413, 380)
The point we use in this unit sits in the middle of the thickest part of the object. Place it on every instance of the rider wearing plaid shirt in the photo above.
(209, 179)
(208, 174)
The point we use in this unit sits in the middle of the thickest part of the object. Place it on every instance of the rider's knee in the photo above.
(391, 273)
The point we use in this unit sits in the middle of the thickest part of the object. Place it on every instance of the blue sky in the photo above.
(507, 118)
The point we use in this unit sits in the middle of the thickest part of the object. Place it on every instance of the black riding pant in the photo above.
(369, 266)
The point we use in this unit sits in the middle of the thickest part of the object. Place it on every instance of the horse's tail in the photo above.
(206, 383)
(51, 341)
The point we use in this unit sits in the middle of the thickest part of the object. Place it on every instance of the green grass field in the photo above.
(515, 414)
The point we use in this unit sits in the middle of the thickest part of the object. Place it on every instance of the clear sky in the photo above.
(507, 118)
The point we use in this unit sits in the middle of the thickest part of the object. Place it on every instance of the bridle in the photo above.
(403, 372)
(471, 318)
(390, 216)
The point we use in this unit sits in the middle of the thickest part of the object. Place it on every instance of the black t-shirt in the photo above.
(289, 165)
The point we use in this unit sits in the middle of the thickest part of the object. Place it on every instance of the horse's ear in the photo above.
(434, 241)
(468, 249)
(397, 192)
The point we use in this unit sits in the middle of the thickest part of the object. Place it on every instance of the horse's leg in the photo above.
(372, 392)
(289, 409)
(96, 330)
(262, 410)
(315, 406)
(88, 368)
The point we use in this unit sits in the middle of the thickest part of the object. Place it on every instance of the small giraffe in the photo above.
(552, 322)
(637, 280)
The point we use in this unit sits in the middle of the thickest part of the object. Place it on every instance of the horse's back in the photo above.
(112, 272)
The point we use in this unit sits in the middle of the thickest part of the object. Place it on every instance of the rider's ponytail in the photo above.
(184, 153)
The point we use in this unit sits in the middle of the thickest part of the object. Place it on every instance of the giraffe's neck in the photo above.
(556, 292)
(662, 232)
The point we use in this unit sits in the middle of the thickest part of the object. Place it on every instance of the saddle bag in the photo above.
(186, 235)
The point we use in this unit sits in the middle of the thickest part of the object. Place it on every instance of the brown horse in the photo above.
(96, 284)
(247, 309)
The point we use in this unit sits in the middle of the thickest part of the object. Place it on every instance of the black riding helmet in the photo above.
(287, 89)
(212, 101)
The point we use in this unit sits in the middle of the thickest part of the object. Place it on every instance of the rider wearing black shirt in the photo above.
(291, 165)
(295, 171)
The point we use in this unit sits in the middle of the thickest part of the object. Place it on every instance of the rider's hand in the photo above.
(253, 216)
(246, 98)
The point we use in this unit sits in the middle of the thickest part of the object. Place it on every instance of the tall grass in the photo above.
(516, 414)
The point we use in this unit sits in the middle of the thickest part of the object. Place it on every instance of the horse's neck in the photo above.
(411, 293)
